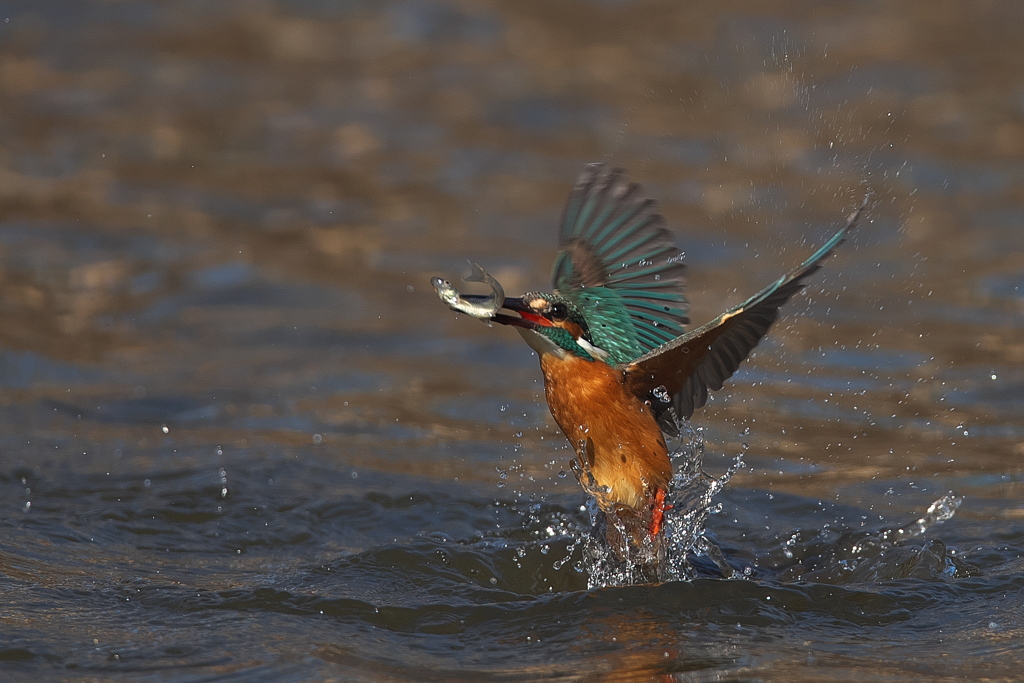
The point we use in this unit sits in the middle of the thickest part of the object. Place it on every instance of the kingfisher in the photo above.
(620, 368)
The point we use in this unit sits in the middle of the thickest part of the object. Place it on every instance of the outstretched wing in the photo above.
(680, 373)
(618, 264)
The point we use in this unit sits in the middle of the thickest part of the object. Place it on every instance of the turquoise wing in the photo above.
(619, 265)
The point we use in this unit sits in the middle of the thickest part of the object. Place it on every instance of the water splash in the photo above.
(612, 556)
(834, 555)
(612, 559)
(690, 493)
(613, 551)
(938, 512)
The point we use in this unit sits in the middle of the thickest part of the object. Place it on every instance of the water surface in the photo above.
(240, 439)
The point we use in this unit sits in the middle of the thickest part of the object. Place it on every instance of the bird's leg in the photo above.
(658, 509)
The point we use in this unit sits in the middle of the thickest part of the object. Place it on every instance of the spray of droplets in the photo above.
(690, 496)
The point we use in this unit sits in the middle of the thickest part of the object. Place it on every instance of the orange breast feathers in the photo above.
(610, 428)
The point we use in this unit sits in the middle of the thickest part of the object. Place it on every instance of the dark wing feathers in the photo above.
(619, 265)
(701, 360)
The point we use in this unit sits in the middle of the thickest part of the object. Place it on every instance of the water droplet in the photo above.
(165, 429)
(318, 438)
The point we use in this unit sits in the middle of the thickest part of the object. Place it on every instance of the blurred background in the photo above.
(217, 227)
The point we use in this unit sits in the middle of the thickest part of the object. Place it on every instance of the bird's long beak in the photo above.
(528, 318)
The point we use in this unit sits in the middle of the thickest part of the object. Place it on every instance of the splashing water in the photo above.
(938, 512)
(843, 556)
(690, 494)
(611, 559)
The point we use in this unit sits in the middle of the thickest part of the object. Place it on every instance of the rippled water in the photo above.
(240, 439)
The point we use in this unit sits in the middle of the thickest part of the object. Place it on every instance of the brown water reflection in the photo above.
(218, 222)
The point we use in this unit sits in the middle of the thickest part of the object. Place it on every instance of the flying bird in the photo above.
(620, 368)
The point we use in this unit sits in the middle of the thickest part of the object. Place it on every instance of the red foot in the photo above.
(658, 512)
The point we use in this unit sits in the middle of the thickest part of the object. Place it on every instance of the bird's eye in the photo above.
(559, 312)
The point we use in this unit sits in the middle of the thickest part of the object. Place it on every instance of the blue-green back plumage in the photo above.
(618, 265)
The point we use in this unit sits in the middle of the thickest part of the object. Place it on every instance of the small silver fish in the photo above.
(482, 306)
